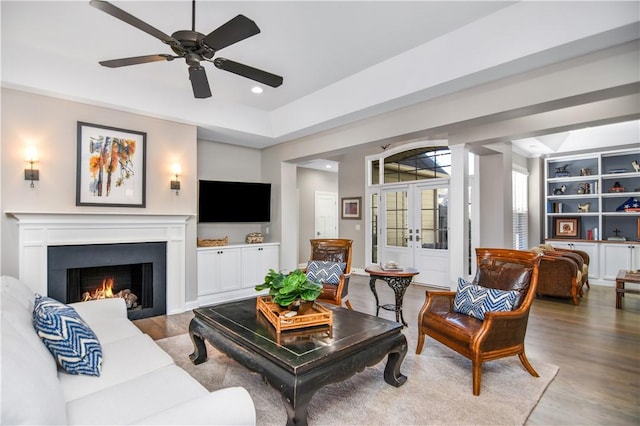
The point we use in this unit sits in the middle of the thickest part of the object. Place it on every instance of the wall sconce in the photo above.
(175, 184)
(31, 155)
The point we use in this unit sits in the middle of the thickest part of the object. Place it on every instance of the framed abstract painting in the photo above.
(111, 166)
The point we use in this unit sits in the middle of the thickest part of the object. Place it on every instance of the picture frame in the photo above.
(567, 227)
(352, 208)
(111, 166)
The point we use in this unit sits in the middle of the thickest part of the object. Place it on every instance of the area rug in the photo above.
(437, 392)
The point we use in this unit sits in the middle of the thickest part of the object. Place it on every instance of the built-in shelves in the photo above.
(587, 193)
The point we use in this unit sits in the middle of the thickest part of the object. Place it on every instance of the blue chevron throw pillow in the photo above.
(70, 340)
(474, 300)
(325, 272)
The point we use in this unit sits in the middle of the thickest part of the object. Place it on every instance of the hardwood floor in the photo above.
(596, 346)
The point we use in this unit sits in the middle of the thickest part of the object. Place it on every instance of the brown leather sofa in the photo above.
(585, 263)
(563, 272)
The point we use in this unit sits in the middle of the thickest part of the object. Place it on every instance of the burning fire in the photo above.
(106, 292)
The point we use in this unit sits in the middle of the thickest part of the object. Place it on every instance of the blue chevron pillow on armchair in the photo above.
(474, 300)
(325, 272)
(70, 340)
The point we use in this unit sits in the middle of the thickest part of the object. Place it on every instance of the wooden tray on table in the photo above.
(311, 315)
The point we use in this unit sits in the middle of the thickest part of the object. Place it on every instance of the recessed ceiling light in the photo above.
(256, 89)
(328, 166)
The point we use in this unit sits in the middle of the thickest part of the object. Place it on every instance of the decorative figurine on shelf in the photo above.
(559, 191)
(584, 208)
(617, 187)
(562, 171)
(585, 171)
(581, 189)
(636, 166)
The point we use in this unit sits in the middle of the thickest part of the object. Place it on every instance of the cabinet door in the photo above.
(256, 262)
(269, 259)
(617, 257)
(218, 270)
(229, 272)
(207, 271)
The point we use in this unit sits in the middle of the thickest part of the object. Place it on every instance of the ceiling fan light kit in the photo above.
(194, 47)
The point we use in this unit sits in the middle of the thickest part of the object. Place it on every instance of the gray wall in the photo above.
(219, 161)
(310, 181)
(51, 125)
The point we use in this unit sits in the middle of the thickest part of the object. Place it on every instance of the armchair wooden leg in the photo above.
(525, 362)
(348, 304)
(420, 343)
(477, 376)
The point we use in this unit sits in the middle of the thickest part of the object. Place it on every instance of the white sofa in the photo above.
(139, 382)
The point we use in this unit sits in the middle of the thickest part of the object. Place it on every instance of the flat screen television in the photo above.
(223, 201)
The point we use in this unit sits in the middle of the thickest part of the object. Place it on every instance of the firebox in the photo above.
(135, 272)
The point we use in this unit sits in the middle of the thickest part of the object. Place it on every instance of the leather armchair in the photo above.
(500, 334)
(334, 250)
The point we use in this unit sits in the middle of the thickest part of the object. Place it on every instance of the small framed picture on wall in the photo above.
(351, 208)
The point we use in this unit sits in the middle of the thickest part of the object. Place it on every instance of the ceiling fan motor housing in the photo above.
(191, 42)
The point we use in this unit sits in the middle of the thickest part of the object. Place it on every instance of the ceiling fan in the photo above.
(194, 47)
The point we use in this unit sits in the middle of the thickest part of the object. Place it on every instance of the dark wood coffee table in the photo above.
(305, 359)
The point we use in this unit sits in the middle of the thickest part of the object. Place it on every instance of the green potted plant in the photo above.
(286, 289)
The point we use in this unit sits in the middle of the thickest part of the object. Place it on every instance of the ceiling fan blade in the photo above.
(123, 62)
(199, 82)
(116, 12)
(231, 32)
(248, 72)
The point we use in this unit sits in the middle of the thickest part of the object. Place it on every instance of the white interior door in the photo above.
(326, 214)
(414, 230)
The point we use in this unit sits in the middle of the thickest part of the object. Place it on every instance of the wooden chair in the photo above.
(334, 250)
(500, 334)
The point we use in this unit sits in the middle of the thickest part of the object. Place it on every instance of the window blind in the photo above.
(520, 200)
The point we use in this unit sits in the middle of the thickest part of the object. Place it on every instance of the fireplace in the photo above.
(39, 231)
(133, 271)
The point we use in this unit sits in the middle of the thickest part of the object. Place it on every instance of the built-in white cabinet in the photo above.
(256, 262)
(231, 272)
(219, 270)
(620, 256)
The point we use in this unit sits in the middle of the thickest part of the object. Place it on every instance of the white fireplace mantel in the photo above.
(37, 231)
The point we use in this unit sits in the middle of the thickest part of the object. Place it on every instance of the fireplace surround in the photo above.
(38, 231)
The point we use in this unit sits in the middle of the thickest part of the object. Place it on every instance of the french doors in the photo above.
(414, 229)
